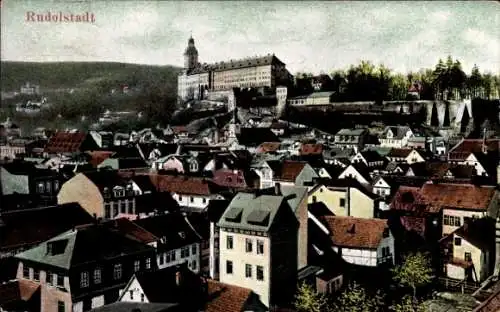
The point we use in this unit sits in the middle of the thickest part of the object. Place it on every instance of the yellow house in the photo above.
(344, 197)
(468, 251)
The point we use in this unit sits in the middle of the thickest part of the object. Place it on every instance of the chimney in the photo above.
(496, 273)
(277, 188)
(484, 147)
(178, 278)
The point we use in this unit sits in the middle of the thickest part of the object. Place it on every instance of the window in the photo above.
(260, 247)
(204, 200)
(315, 199)
(173, 255)
(193, 249)
(48, 187)
(458, 241)
(185, 252)
(84, 279)
(342, 202)
(468, 256)
(248, 245)
(40, 188)
(193, 265)
(180, 197)
(97, 276)
(26, 272)
(131, 292)
(60, 280)
(60, 306)
(451, 220)
(56, 185)
(148, 263)
(107, 211)
(229, 242)
(229, 267)
(142, 297)
(123, 207)
(248, 270)
(260, 273)
(137, 265)
(161, 259)
(36, 275)
(191, 199)
(54, 279)
(117, 271)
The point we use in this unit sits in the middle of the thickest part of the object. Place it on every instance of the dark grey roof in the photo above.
(84, 244)
(241, 211)
(138, 306)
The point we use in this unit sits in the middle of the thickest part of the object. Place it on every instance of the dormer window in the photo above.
(182, 235)
(119, 192)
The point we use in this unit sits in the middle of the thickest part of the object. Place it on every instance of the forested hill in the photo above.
(84, 74)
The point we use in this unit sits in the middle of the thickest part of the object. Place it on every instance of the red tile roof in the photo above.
(311, 149)
(17, 291)
(181, 184)
(226, 298)
(353, 232)
(267, 147)
(463, 149)
(132, 230)
(464, 196)
(290, 170)
(230, 178)
(399, 152)
(65, 142)
(97, 157)
(491, 304)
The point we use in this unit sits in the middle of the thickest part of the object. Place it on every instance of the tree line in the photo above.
(413, 274)
(368, 82)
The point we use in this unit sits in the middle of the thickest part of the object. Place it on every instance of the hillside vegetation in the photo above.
(153, 88)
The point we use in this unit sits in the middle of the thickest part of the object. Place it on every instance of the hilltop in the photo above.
(84, 74)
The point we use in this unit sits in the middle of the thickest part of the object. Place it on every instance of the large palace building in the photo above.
(196, 80)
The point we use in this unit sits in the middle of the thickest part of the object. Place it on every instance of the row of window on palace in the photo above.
(191, 199)
(259, 270)
(120, 206)
(248, 245)
(58, 280)
(454, 220)
(47, 187)
(171, 255)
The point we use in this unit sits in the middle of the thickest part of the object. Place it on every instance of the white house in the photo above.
(355, 172)
(179, 243)
(474, 160)
(360, 241)
(395, 136)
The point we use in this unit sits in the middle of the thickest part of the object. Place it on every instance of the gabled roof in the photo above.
(256, 136)
(398, 132)
(20, 295)
(97, 157)
(478, 232)
(139, 306)
(84, 244)
(226, 298)
(169, 292)
(311, 149)
(180, 184)
(230, 178)
(371, 156)
(254, 212)
(289, 170)
(33, 226)
(267, 147)
(353, 132)
(65, 142)
(399, 152)
(467, 146)
(461, 196)
(131, 230)
(358, 233)
(172, 228)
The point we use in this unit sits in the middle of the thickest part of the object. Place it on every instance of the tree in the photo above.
(355, 299)
(408, 304)
(399, 87)
(415, 272)
(474, 81)
(439, 78)
(307, 300)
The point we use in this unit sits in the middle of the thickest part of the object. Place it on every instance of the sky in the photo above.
(308, 36)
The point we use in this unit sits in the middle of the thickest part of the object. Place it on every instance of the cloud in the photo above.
(326, 36)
